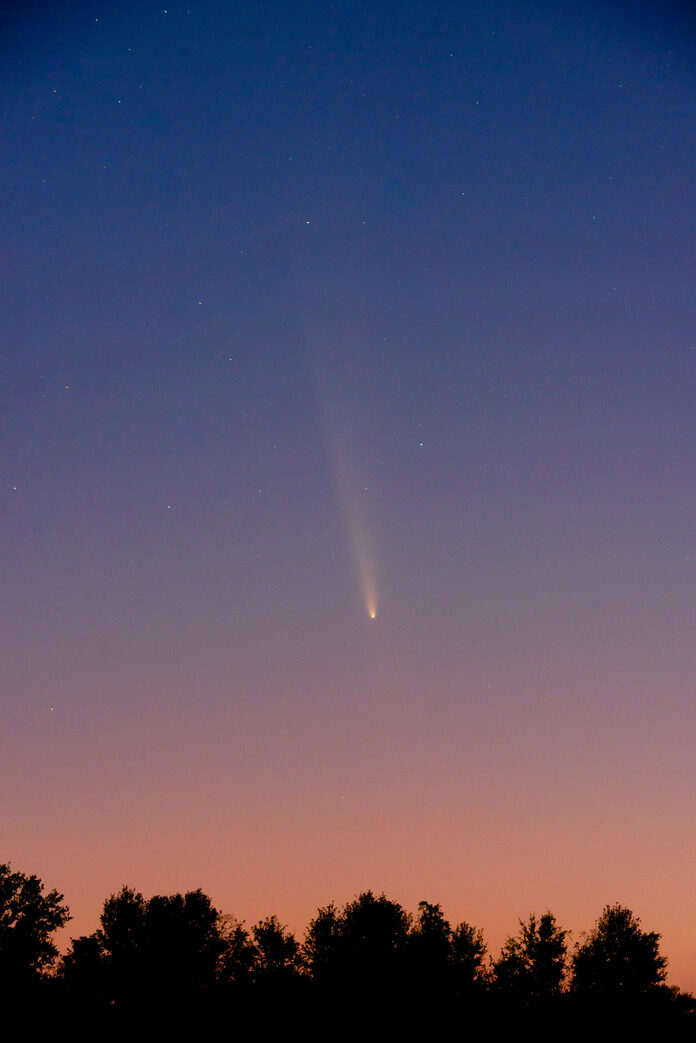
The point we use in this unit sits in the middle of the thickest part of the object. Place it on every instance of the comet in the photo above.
(360, 543)
(354, 510)
(343, 454)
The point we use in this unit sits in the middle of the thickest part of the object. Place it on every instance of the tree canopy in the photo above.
(149, 950)
(176, 956)
(28, 920)
(618, 957)
(361, 948)
(533, 963)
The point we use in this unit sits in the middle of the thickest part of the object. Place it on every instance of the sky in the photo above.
(319, 312)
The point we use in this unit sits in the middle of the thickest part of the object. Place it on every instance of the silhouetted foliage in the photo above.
(362, 949)
(321, 950)
(445, 961)
(165, 951)
(617, 957)
(277, 953)
(468, 959)
(83, 972)
(373, 956)
(173, 963)
(238, 959)
(532, 965)
(28, 920)
(372, 944)
(183, 943)
(431, 968)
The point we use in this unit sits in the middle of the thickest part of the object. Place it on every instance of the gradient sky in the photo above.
(316, 308)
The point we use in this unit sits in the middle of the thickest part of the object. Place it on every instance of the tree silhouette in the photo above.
(468, 960)
(445, 961)
(164, 952)
(174, 962)
(618, 958)
(532, 965)
(360, 951)
(373, 939)
(321, 949)
(277, 953)
(239, 957)
(122, 944)
(183, 944)
(430, 953)
(83, 973)
(28, 919)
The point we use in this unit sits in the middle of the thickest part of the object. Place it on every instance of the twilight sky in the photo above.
(313, 310)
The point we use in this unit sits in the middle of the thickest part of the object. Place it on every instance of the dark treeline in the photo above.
(368, 967)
